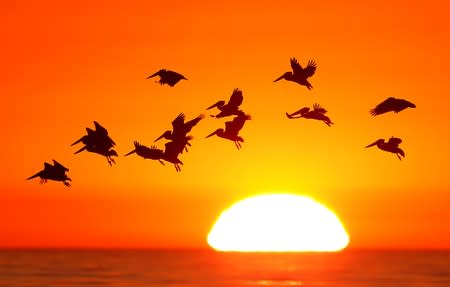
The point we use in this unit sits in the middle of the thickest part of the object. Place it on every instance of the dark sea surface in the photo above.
(136, 268)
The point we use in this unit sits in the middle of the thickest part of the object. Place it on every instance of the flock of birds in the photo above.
(98, 141)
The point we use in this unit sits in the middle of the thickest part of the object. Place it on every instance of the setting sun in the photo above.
(278, 223)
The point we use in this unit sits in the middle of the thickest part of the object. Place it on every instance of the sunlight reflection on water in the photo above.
(80, 268)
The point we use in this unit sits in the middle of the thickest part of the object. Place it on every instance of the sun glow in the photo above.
(278, 223)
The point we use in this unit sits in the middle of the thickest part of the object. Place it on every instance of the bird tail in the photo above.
(373, 112)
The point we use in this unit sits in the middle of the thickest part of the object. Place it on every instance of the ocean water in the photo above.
(121, 268)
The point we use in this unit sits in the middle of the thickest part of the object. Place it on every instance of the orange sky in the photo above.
(65, 65)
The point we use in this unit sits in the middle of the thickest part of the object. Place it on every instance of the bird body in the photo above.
(318, 113)
(230, 108)
(391, 105)
(300, 75)
(168, 77)
(392, 145)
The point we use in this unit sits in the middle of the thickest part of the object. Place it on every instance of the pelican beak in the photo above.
(151, 76)
(159, 137)
(210, 135)
(133, 151)
(213, 106)
(372, 144)
(279, 78)
(33, 176)
(80, 150)
(76, 142)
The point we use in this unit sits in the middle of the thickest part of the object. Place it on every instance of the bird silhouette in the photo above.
(168, 77)
(318, 113)
(98, 141)
(180, 129)
(390, 146)
(56, 172)
(391, 105)
(298, 74)
(232, 129)
(230, 108)
(147, 152)
(169, 155)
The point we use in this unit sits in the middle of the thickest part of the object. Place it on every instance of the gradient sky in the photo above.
(65, 65)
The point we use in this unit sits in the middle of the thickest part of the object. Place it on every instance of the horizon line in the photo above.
(209, 249)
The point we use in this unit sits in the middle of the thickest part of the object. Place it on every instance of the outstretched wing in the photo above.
(394, 141)
(296, 66)
(405, 104)
(47, 166)
(100, 129)
(90, 131)
(59, 166)
(175, 75)
(102, 133)
(178, 122)
(387, 105)
(310, 68)
(236, 98)
(319, 109)
(148, 152)
(234, 126)
(190, 124)
(174, 148)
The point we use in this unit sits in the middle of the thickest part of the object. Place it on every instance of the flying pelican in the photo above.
(318, 113)
(230, 108)
(168, 77)
(147, 152)
(98, 141)
(232, 129)
(180, 128)
(298, 74)
(390, 146)
(391, 105)
(56, 172)
(170, 154)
